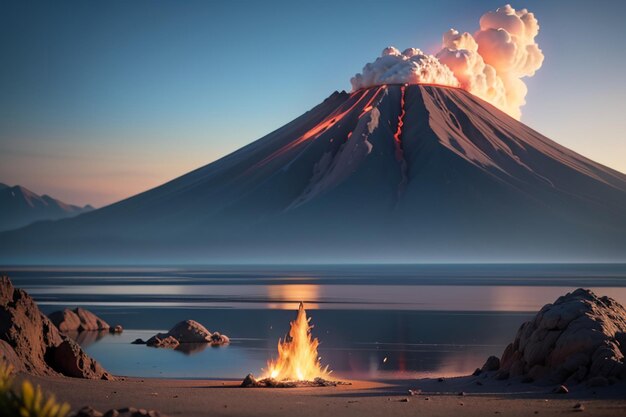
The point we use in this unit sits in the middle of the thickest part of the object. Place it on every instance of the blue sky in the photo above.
(101, 100)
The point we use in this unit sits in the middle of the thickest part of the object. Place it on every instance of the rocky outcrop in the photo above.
(187, 332)
(34, 344)
(80, 320)
(579, 338)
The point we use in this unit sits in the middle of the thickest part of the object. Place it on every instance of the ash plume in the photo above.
(490, 63)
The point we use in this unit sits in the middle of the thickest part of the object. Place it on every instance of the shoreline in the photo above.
(204, 397)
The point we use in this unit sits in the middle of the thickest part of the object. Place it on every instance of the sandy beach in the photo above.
(372, 398)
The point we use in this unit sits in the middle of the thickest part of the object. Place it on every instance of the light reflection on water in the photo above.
(327, 296)
(426, 322)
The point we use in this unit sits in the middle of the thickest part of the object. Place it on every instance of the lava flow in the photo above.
(297, 354)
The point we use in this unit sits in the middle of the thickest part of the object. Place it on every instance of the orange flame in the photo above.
(297, 354)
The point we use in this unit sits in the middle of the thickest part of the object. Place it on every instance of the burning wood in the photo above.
(298, 364)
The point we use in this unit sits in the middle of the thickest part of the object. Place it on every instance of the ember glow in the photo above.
(297, 354)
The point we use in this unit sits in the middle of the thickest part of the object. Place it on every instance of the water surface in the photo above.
(373, 321)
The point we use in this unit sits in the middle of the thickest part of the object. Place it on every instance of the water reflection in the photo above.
(288, 297)
(322, 296)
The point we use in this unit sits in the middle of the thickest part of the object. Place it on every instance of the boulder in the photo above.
(580, 337)
(37, 345)
(70, 360)
(78, 320)
(187, 332)
(491, 364)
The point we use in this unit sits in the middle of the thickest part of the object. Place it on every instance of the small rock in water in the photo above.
(461, 394)
(440, 379)
(561, 389)
(117, 329)
(138, 342)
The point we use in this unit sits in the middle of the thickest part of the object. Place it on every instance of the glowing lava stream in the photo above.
(397, 138)
(335, 117)
(297, 354)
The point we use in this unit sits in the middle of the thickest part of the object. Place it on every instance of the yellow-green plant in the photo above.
(28, 400)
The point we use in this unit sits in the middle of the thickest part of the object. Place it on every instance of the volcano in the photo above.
(400, 173)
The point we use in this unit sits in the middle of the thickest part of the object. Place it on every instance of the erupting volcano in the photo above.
(404, 173)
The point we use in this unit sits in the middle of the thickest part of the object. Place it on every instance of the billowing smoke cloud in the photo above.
(489, 64)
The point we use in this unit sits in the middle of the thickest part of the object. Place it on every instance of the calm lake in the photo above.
(373, 321)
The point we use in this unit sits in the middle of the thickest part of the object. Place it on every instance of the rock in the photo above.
(414, 392)
(38, 346)
(561, 389)
(404, 400)
(117, 329)
(491, 364)
(577, 338)
(88, 412)
(8, 355)
(138, 342)
(477, 372)
(78, 319)
(218, 339)
(441, 379)
(70, 360)
(579, 407)
(187, 332)
(168, 342)
(249, 381)
(66, 320)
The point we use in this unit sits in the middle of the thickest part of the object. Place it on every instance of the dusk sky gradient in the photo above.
(102, 100)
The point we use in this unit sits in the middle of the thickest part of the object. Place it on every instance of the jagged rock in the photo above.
(249, 381)
(187, 332)
(491, 364)
(78, 319)
(577, 338)
(117, 329)
(168, 342)
(37, 345)
(69, 359)
(8, 355)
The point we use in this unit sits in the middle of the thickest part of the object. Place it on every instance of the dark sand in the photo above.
(362, 398)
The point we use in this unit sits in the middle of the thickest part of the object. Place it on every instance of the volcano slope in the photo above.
(390, 173)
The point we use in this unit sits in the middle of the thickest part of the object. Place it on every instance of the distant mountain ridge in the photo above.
(20, 207)
(395, 173)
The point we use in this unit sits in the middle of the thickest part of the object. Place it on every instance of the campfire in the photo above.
(298, 363)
